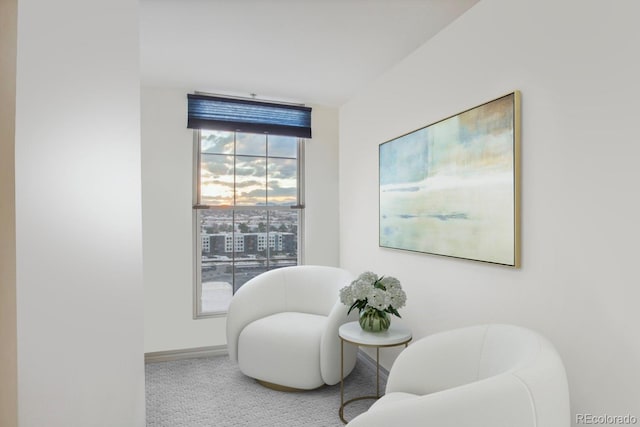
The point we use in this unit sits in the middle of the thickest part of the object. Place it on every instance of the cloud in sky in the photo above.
(252, 180)
(250, 176)
(216, 142)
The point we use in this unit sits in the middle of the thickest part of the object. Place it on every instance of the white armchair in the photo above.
(282, 327)
(480, 376)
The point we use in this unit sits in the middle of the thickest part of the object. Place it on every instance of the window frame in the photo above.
(196, 207)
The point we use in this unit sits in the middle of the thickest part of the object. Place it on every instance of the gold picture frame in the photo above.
(452, 188)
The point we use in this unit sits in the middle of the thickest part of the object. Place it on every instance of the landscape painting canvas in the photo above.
(451, 188)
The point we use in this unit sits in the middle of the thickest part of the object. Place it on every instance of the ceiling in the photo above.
(307, 51)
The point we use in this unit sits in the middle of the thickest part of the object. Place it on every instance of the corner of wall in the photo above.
(8, 314)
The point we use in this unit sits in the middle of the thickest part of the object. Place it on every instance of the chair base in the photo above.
(284, 388)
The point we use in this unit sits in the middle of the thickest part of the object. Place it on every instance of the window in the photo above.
(247, 211)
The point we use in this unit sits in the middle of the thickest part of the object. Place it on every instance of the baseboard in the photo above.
(371, 363)
(187, 353)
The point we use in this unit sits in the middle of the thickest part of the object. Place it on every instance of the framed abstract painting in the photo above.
(452, 188)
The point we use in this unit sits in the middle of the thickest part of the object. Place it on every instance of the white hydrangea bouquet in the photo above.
(375, 298)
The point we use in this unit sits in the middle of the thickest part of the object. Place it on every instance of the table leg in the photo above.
(378, 372)
(341, 411)
(344, 403)
(341, 373)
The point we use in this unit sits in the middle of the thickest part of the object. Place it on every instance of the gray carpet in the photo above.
(212, 391)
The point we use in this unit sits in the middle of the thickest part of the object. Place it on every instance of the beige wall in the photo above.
(577, 66)
(167, 174)
(8, 332)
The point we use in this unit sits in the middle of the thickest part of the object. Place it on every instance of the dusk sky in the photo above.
(257, 177)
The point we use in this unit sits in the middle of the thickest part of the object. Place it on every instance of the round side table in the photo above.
(352, 333)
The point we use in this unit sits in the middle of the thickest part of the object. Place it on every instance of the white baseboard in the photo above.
(188, 353)
(371, 363)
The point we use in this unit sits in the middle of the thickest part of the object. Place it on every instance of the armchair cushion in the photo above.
(289, 343)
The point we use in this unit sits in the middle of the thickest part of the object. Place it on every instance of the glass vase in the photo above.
(372, 320)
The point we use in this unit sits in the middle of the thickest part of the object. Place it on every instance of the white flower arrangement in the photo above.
(383, 293)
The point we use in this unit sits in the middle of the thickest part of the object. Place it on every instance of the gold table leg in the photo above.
(377, 396)
(341, 411)
(378, 372)
(342, 402)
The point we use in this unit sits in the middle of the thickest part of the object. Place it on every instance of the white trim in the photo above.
(187, 353)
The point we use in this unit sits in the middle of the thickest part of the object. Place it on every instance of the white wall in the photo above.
(167, 158)
(577, 66)
(78, 213)
(8, 331)
(167, 162)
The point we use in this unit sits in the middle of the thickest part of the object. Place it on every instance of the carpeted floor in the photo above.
(210, 392)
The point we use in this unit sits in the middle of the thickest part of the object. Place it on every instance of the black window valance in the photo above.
(218, 113)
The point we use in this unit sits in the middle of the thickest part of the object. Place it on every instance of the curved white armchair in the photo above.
(480, 376)
(282, 327)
